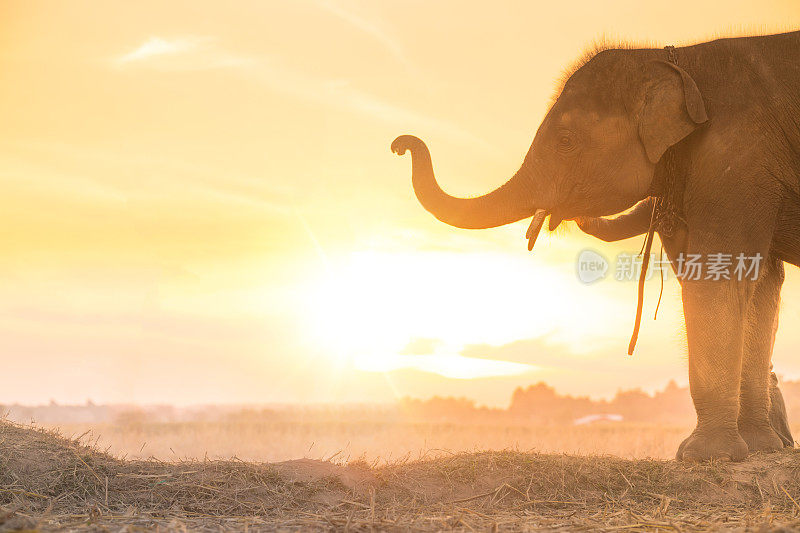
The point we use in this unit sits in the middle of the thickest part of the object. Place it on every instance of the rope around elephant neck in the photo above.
(648, 244)
(664, 215)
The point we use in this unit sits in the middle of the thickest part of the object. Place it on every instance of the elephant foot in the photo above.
(761, 439)
(781, 427)
(705, 446)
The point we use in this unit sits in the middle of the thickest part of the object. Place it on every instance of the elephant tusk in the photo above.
(536, 226)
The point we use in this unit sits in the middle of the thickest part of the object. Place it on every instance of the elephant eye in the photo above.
(564, 143)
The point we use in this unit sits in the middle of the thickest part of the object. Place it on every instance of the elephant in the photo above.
(703, 142)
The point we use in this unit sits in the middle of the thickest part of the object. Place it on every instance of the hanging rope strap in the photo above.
(664, 216)
(661, 276)
(648, 244)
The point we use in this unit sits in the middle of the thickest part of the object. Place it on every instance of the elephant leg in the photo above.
(755, 401)
(777, 413)
(715, 313)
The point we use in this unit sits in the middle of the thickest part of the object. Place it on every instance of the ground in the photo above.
(48, 482)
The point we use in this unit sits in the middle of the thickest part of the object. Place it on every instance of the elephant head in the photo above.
(594, 153)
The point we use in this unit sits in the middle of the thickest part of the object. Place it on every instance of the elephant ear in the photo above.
(671, 107)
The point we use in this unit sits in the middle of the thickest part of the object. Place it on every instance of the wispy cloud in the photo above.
(203, 53)
(156, 46)
(341, 93)
(180, 53)
(345, 95)
(366, 26)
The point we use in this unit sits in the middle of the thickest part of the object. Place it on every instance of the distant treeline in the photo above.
(673, 404)
(540, 403)
(537, 404)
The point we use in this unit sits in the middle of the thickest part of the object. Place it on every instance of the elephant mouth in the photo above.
(537, 222)
(557, 216)
(565, 209)
(555, 220)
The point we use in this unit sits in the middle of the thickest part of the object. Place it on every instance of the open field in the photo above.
(370, 441)
(50, 483)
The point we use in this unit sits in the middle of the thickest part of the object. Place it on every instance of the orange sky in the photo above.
(200, 204)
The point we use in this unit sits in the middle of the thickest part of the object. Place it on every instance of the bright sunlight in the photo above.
(380, 311)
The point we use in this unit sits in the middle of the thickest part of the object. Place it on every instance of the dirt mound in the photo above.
(48, 482)
(356, 476)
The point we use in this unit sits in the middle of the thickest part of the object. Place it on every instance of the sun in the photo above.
(370, 308)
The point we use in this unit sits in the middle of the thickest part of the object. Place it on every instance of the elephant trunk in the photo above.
(508, 203)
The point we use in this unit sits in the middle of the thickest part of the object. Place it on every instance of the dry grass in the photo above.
(48, 482)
